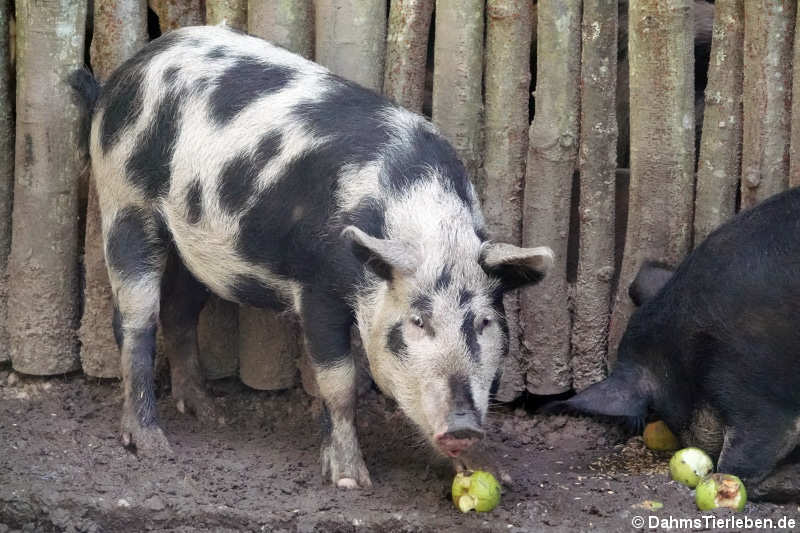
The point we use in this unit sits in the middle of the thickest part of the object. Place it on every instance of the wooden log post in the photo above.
(6, 167)
(43, 264)
(552, 158)
(457, 75)
(794, 168)
(173, 14)
(596, 208)
(231, 13)
(662, 144)
(768, 34)
(120, 29)
(351, 39)
(269, 350)
(508, 78)
(721, 145)
(406, 52)
(287, 23)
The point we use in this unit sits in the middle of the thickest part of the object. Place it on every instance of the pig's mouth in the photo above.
(454, 443)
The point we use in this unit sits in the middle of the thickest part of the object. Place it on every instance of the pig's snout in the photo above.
(462, 432)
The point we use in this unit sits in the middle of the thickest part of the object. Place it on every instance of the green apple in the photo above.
(476, 490)
(690, 465)
(721, 490)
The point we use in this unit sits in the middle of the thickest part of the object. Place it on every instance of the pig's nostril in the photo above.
(465, 433)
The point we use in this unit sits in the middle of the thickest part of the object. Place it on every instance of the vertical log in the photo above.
(552, 155)
(351, 39)
(508, 78)
(6, 167)
(662, 143)
(269, 352)
(598, 165)
(457, 69)
(794, 171)
(174, 14)
(721, 144)
(120, 29)
(232, 13)
(43, 274)
(768, 34)
(406, 52)
(287, 23)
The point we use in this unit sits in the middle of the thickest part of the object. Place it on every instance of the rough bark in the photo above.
(232, 13)
(721, 144)
(406, 52)
(794, 170)
(457, 70)
(120, 29)
(351, 39)
(174, 14)
(43, 273)
(6, 167)
(766, 92)
(598, 165)
(268, 348)
(508, 77)
(287, 23)
(662, 144)
(552, 155)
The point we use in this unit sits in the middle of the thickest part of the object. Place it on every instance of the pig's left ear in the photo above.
(516, 266)
(384, 257)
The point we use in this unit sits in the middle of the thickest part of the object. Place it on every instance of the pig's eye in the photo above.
(485, 322)
(417, 321)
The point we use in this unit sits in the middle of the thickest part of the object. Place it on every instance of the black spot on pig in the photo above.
(171, 74)
(368, 216)
(495, 383)
(143, 349)
(465, 297)
(423, 303)
(150, 163)
(252, 291)
(395, 341)
(444, 279)
(244, 82)
(239, 175)
(218, 52)
(325, 423)
(194, 202)
(122, 94)
(461, 394)
(470, 336)
(130, 249)
(350, 114)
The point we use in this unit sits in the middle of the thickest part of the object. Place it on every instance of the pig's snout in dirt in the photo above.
(461, 434)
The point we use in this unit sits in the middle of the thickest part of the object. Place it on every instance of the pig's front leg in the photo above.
(327, 329)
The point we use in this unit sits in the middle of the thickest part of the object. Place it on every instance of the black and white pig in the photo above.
(277, 183)
(714, 349)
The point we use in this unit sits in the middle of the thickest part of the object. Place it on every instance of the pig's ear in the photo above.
(516, 266)
(383, 256)
(652, 276)
(611, 397)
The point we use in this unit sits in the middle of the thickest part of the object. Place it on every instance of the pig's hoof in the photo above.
(195, 401)
(149, 441)
(345, 474)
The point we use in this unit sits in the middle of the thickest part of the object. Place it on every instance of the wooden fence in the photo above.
(603, 71)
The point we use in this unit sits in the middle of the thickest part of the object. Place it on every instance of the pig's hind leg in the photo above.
(327, 327)
(183, 299)
(752, 448)
(135, 256)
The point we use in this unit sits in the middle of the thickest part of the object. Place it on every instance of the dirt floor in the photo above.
(63, 469)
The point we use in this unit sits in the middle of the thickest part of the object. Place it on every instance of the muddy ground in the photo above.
(62, 469)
